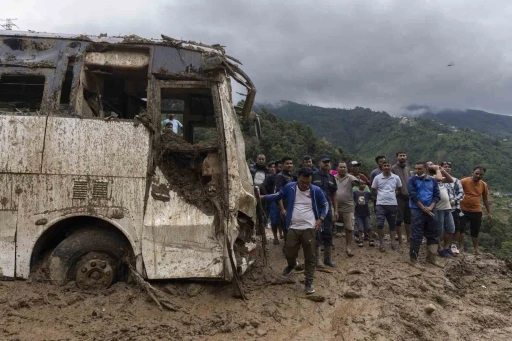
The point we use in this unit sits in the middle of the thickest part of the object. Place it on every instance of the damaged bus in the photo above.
(90, 181)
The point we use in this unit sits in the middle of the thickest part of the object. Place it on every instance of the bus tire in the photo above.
(91, 256)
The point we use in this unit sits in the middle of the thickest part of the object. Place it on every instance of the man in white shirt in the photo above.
(175, 123)
(386, 186)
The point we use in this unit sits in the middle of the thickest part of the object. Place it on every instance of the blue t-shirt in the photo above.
(361, 200)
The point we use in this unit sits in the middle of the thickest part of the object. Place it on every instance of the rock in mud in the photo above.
(261, 332)
(355, 272)
(316, 298)
(194, 289)
(430, 308)
(255, 323)
(351, 294)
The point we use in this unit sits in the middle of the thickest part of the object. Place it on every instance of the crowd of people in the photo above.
(308, 207)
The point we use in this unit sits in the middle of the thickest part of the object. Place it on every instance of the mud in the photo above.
(181, 163)
(471, 297)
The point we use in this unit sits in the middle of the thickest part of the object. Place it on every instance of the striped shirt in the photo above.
(455, 192)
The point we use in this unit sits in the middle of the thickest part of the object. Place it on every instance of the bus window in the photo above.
(21, 93)
(189, 113)
(115, 83)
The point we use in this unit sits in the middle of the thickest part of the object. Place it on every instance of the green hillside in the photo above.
(492, 124)
(368, 133)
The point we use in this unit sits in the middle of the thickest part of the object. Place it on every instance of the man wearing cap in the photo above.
(354, 170)
(325, 180)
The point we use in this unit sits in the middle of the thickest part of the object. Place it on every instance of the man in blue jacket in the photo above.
(423, 196)
(305, 212)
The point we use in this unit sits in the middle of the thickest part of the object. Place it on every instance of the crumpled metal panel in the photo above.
(21, 143)
(50, 198)
(179, 240)
(95, 147)
(241, 192)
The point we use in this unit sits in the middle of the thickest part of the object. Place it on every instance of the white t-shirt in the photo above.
(303, 217)
(444, 203)
(175, 124)
(259, 177)
(386, 187)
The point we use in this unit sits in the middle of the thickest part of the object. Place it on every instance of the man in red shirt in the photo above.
(471, 207)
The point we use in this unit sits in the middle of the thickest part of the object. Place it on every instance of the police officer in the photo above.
(325, 180)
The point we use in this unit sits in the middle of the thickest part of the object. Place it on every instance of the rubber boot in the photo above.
(328, 257)
(318, 257)
(432, 255)
(414, 251)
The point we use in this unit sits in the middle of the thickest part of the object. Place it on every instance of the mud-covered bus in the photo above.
(90, 180)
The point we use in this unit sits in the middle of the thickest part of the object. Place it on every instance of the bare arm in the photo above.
(487, 206)
(447, 178)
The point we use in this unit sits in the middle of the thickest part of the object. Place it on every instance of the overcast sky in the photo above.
(384, 55)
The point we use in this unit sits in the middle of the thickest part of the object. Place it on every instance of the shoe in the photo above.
(310, 289)
(454, 249)
(451, 253)
(443, 253)
(360, 244)
(337, 235)
(276, 241)
(432, 255)
(288, 270)
(372, 242)
(299, 268)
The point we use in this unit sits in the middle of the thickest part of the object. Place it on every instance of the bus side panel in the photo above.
(21, 143)
(179, 240)
(46, 199)
(95, 147)
(8, 218)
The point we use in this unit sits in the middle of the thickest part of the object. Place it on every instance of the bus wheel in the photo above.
(92, 257)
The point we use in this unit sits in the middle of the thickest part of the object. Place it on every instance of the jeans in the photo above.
(423, 225)
(444, 222)
(294, 240)
(363, 224)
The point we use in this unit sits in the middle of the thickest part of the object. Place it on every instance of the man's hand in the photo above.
(283, 213)
(452, 203)
(336, 216)
(489, 216)
(428, 210)
(318, 224)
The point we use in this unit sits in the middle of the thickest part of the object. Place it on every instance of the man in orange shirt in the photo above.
(474, 188)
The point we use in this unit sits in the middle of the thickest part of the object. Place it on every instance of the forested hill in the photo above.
(367, 133)
(492, 124)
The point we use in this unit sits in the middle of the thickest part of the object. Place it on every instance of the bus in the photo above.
(91, 181)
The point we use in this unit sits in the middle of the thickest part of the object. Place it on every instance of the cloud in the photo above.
(384, 55)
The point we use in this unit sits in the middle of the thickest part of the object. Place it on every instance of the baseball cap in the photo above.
(325, 158)
(354, 164)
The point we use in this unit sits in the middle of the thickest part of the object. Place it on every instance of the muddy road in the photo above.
(372, 296)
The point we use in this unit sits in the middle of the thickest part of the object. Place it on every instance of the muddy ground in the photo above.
(372, 296)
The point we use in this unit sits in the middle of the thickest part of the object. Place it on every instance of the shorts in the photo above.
(346, 220)
(444, 222)
(475, 222)
(404, 212)
(386, 212)
(363, 224)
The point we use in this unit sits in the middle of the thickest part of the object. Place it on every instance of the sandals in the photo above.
(360, 244)
(372, 243)
(276, 241)
(350, 253)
